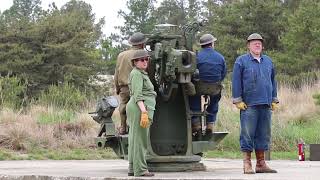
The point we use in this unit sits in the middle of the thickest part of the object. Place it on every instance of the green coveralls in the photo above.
(141, 89)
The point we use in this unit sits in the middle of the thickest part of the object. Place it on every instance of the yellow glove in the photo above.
(274, 106)
(241, 105)
(144, 121)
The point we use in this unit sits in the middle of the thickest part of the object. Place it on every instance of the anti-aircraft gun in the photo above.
(173, 64)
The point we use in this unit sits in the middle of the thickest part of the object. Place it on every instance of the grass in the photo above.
(6, 154)
(71, 154)
(58, 154)
(275, 155)
(298, 117)
(56, 117)
(100, 154)
(46, 132)
(286, 138)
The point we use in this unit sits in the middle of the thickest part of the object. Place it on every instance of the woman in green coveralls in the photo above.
(140, 109)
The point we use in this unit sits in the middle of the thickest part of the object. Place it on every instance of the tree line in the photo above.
(290, 28)
(49, 47)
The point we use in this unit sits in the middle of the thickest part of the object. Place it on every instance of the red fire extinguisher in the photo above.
(301, 150)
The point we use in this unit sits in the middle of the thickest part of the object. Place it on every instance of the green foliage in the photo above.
(228, 120)
(37, 153)
(233, 22)
(111, 65)
(12, 92)
(60, 42)
(56, 117)
(143, 15)
(301, 39)
(291, 38)
(298, 80)
(139, 18)
(176, 12)
(25, 10)
(64, 96)
(9, 155)
(317, 98)
(108, 50)
(237, 154)
(285, 138)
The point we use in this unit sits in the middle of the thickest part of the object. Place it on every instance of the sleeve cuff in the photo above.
(137, 99)
(275, 100)
(236, 100)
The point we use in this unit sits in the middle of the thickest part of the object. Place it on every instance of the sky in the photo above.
(102, 8)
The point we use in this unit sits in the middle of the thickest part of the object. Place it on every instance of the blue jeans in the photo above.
(212, 109)
(255, 128)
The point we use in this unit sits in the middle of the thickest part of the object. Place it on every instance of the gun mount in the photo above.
(172, 66)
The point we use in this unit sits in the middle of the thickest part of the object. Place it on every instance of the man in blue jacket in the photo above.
(212, 70)
(254, 92)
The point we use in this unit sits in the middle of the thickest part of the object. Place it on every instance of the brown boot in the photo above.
(123, 125)
(261, 166)
(196, 131)
(247, 166)
(209, 128)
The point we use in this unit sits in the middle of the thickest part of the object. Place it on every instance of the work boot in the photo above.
(122, 130)
(196, 131)
(130, 170)
(190, 89)
(247, 166)
(261, 166)
(123, 126)
(209, 128)
(123, 119)
(197, 135)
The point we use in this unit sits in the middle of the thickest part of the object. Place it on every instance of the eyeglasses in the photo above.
(144, 59)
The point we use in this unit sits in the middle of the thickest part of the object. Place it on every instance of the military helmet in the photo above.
(206, 39)
(255, 36)
(137, 38)
(140, 54)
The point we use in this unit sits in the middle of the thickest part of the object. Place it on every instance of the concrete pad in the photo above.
(224, 169)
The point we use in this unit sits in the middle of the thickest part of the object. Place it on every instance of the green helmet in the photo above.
(206, 39)
(137, 38)
(255, 36)
(140, 53)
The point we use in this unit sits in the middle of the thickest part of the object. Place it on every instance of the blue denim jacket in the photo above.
(211, 65)
(253, 82)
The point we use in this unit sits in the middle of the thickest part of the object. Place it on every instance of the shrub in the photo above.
(54, 117)
(298, 80)
(65, 96)
(12, 92)
(317, 98)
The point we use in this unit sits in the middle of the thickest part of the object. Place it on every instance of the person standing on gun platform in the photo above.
(212, 70)
(140, 111)
(122, 71)
(254, 92)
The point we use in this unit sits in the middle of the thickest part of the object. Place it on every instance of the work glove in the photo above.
(241, 105)
(274, 106)
(144, 121)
